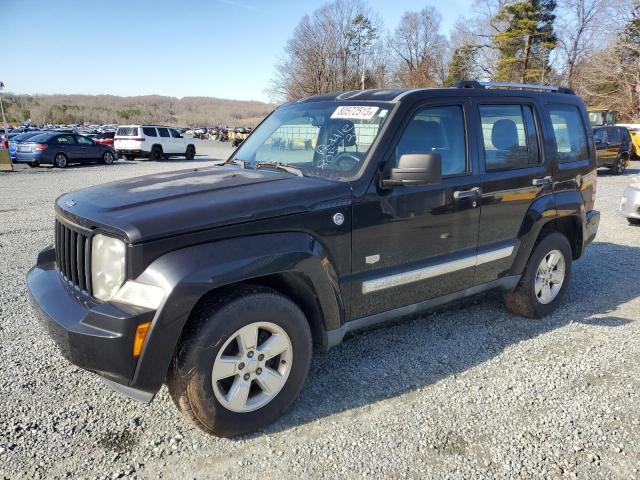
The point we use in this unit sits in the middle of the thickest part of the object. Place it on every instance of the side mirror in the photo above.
(415, 169)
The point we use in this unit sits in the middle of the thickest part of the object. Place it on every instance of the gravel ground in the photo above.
(470, 391)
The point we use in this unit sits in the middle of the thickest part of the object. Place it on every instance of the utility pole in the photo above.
(4, 119)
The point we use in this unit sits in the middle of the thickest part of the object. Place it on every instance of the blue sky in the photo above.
(218, 48)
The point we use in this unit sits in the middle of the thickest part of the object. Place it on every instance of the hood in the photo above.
(165, 204)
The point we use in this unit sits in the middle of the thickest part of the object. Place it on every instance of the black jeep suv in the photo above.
(338, 212)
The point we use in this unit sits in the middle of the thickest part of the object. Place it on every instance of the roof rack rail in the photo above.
(513, 86)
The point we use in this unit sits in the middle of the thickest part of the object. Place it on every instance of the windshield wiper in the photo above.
(281, 166)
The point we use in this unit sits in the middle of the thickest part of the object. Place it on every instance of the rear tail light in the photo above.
(594, 188)
(40, 146)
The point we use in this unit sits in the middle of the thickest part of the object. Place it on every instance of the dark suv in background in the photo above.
(613, 148)
(219, 281)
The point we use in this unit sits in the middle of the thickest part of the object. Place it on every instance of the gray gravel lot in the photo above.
(469, 391)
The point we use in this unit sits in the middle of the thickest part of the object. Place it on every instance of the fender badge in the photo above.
(338, 218)
(70, 203)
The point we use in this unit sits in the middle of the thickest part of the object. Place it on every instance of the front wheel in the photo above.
(545, 279)
(241, 362)
(156, 154)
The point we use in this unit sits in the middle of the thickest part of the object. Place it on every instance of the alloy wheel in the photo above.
(60, 161)
(252, 367)
(550, 276)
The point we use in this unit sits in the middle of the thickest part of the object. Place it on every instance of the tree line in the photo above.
(110, 109)
(591, 46)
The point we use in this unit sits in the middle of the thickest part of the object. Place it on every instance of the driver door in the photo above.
(416, 243)
(87, 149)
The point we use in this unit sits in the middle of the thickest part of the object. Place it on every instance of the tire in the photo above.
(108, 158)
(33, 164)
(525, 299)
(212, 330)
(130, 157)
(633, 221)
(190, 153)
(60, 160)
(620, 166)
(156, 154)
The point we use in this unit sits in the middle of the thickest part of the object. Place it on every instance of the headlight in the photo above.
(107, 266)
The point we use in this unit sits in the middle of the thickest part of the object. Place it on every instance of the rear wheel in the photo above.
(190, 152)
(108, 158)
(156, 154)
(242, 361)
(130, 157)
(60, 160)
(545, 279)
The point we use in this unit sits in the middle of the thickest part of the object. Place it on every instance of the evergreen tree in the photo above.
(461, 66)
(527, 41)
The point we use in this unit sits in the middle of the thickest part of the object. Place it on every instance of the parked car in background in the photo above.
(15, 140)
(613, 148)
(105, 138)
(152, 141)
(630, 202)
(62, 149)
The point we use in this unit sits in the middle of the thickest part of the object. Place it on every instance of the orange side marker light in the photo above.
(138, 340)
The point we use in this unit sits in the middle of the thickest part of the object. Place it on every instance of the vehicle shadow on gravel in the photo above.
(416, 352)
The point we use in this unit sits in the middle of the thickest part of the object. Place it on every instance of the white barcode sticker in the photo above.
(354, 112)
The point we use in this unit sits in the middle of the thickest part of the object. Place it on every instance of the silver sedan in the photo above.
(630, 202)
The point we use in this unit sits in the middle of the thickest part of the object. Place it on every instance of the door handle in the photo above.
(460, 194)
(541, 182)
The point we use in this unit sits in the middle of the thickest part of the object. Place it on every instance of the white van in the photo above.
(152, 141)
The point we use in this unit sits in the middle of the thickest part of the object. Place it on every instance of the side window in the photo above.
(613, 135)
(569, 132)
(149, 131)
(437, 130)
(163, 132)
(174, 133)
(509, 135)
(83, 140)
(65, 140)
(598, 135)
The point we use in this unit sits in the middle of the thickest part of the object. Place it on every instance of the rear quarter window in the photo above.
(127, 132)
(569, 133)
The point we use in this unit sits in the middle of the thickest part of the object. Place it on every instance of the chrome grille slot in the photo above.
(73, 255)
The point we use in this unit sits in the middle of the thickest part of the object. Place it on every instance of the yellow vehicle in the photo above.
(634, 130)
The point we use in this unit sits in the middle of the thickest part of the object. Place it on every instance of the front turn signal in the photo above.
(138, 340)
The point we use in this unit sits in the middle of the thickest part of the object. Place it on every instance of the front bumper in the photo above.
(96, 336)
(630, 203)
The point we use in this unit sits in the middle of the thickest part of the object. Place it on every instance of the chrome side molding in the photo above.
(432, 271)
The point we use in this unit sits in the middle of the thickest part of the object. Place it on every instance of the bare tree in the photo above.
(328, 51)
(419, 49)
(583, 25)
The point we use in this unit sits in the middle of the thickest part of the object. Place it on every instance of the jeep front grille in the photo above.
(73, 255)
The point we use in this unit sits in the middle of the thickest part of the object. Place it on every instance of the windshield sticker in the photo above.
(354, 112)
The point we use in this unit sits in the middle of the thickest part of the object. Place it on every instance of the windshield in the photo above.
(325, 139)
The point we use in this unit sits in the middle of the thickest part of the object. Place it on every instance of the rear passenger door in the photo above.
(87, 149)
(68, 145)
(514, 174)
